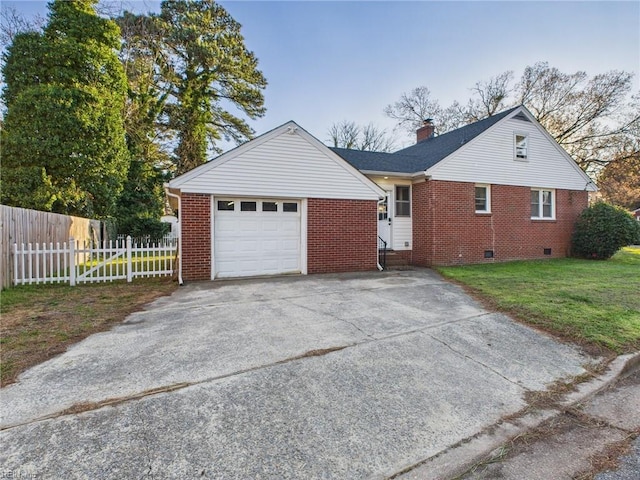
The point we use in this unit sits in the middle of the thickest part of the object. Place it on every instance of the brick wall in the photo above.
(195, 219)
(448, 231)
(341, 235)
(421, 220)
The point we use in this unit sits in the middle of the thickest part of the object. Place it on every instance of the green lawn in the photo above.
(140, 262)
(595, 303)
(40, 321)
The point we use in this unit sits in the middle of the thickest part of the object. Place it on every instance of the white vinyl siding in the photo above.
(489, 158)
(401, 227)
(402, 233)
(286, 165)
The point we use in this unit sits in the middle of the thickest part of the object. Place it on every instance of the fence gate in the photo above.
(70, 263)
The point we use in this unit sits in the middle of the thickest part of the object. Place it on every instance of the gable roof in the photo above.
(422, 155)
(284, 162)
(437, 148)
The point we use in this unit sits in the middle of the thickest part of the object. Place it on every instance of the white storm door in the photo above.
(256, 237)
(384, 219)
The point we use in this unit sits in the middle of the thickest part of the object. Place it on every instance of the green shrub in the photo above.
(143, 227)
(603, 229)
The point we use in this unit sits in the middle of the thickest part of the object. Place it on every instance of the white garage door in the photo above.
(256, 237)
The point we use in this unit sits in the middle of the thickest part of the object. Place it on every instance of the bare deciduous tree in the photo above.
(347, 134)
(13, 22)
(413, 108)
(619, 182)
(490, 97)
(590, 117)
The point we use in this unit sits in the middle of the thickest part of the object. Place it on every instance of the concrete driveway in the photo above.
(327, 376)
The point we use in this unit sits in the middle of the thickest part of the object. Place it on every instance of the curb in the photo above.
(458, 459)
(617, 369)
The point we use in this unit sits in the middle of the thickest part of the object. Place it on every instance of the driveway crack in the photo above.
(464, 355)
(335, 317)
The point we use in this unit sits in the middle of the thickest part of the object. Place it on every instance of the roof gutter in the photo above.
(179, 199)
(379, 173)
(386, 174)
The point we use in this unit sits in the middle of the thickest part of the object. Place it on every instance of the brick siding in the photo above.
(447, 231)
(195, 219)
(421, 220)
(341, 235)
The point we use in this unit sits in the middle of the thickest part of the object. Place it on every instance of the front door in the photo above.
(384, 220)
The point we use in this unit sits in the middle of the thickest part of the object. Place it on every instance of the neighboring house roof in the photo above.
(422, 155)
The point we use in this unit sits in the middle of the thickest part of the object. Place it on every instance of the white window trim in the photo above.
(540, 206)
(488, 187)
(395, 201)
(515, 147)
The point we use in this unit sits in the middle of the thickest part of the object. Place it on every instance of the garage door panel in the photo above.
(290, 245)
(289, 227)
(225, 247)
(249, 227)
(227, 226)
(270, 246)
(289, 266)
(269, 265)
(249, 243)
(246, 245)
(269, 226)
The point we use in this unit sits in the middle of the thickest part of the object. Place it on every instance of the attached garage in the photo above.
(282, 203)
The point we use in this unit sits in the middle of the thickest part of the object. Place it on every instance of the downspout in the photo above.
(381, 201)
(177, 197)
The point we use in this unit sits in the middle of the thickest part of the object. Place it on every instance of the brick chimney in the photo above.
(425, 131)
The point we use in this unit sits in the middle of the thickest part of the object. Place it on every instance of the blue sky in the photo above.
(332, 61)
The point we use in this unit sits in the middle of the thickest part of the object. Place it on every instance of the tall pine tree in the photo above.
(141, 203)
(205, 69)
(63, 139)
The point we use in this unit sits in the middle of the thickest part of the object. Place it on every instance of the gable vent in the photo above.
(521, 116)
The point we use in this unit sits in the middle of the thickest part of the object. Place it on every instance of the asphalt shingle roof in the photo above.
(423, 155)
(380, 161)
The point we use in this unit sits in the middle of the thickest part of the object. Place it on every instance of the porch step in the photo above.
(395, 259)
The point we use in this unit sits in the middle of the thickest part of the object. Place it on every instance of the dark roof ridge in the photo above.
(490, 120)
(423, 155)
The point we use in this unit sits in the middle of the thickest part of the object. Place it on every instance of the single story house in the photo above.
(495, 190)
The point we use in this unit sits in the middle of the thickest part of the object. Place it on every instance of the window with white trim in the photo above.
(521, 146)
(543, 205)
(483, 199)
(403, 201)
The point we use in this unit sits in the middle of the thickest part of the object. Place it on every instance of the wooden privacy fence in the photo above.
(21, 225)
(72, 263)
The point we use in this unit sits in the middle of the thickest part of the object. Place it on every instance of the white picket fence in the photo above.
(86, 263)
